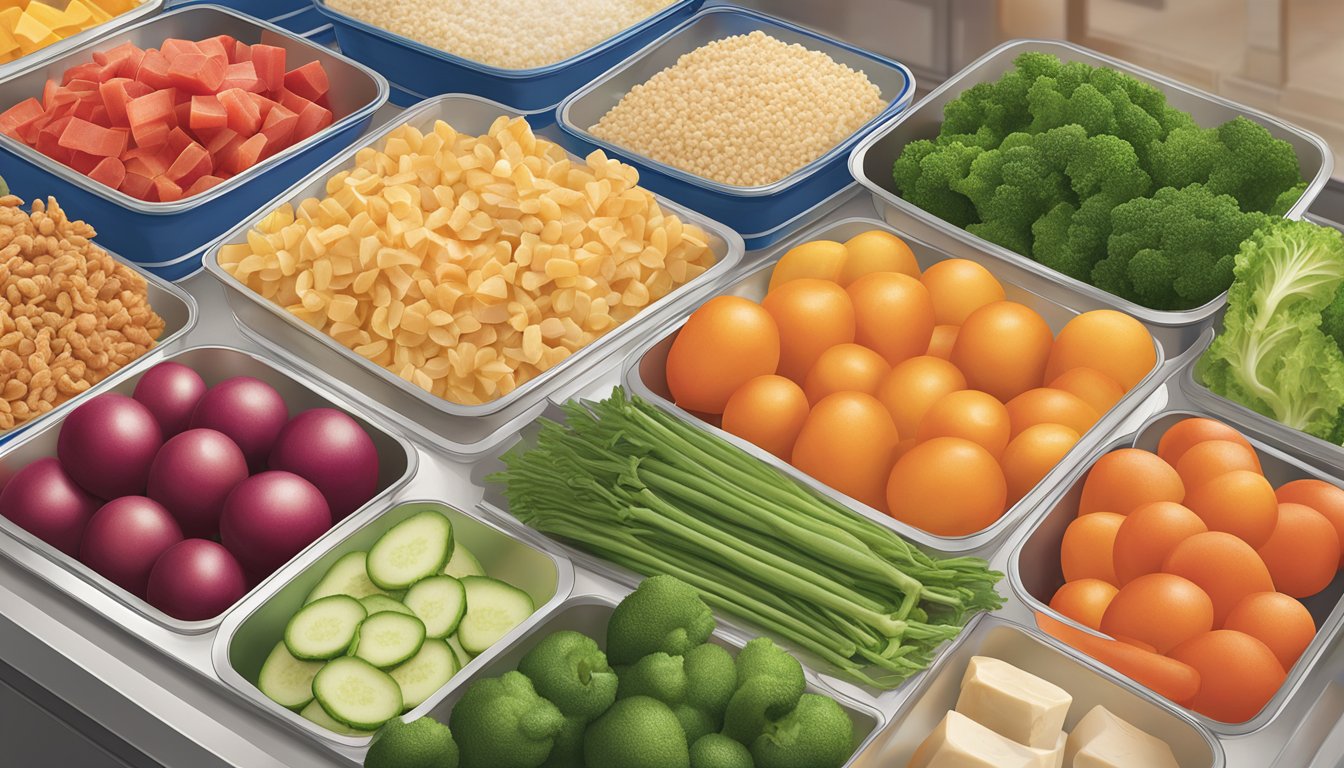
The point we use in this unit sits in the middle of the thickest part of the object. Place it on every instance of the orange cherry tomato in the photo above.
(1108, 341)
(1091, 386)
(877, 250)
(1238, 674)
(1196, 429)
(1032, 454)
(1125, 479)
(1239, 502)
(1148, 535)
(942, 341)
(1213, 458)
(893, 315)
(1302, 554)
(1084, 601)
(724, 344)
(1320, 496)
(1159, 609)
(968, 414)
(1002, 349)
(1223, 566)
(847, 443)
(1277, 620)
(947, 486)
(821, 259)
(768, 411)
(1085, 551)
(845, 368)
(959, 287)
(1166, 677)
(1050, 406)
(913, 386)
(812, 316)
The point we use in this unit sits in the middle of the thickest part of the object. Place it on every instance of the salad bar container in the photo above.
(111, 26)
(298, 16)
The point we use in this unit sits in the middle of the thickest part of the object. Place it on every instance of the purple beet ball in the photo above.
(330, 450)
(193, 475)
(249, 411)
(43, 500)
(195, 580)
(269, 518)
(125, 539)
(170, 391)
(107, 444)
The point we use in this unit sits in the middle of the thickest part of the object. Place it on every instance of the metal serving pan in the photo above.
(872, 159)
(1032, 652)
(175, 306)
(153, 232)
(249, 634)
(396, 466)
(645, 376)
(297, 16)
(421, 68)
(470, 114)
(745, 209)
(146, 8)
(1034, 569)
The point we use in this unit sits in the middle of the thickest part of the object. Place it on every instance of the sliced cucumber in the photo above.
(346, 576)
(463, 658)
(315, 713)
(324, 628)
(286, 680)
(356, 693)
(411, 550)
(462, 563)
(439, 601)
(425, 672)
(387, 639)
(493, 608)
(380, 603)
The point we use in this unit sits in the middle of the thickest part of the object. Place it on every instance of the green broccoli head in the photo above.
(422, 743)
(924, 172)
(571, 671)
(568, 749)
(711, 677)
(714, 750)
(662, 614)
(769, 682)
(638, 732)
(816, 734)
(1072, 240)
(1238, 158)
(501, 722)
(696, 686)
(658, 676)
(1287, 199)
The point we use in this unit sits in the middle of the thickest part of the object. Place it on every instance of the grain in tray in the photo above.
(746, 110)
(467, 265)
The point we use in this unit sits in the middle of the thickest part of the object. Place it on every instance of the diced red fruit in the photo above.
(202, 184)
(206, 112)
(150, 117)
(153, 70)
(311, 120)
(244, 116)
(191, 164)
(87, 71)
(136, 184)
(121, 61)
(175, 46)
(166, 190)
(241, 52)
(83, 161)
(93, 139)
(18, 115)
(247, 154)
(110, 171)
(270, 65)
(241, 75)
(216, 47)
(278, 128)
(196, 73)
(308, 81)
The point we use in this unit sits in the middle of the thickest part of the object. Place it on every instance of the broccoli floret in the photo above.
(568, 749)
(1238, 158)
(422, 743)
(1287, 199)
(715, 750)
(1106, 165)
(696, 686)
(658, 676)
(769, 682)
(816, 734)
(638, 732)
(662, 614)
(569, 669)
(1071, 240)
(924, 172)
(711, 677)
(501, 722)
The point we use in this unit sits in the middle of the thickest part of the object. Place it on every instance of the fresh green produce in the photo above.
(769, 684)
(357, 693)
(696, 687)
(286, 680)
(714, 750)
(501, 722)
(1278, 352)
(816, 732)
(440, 601)
(324, 629)
(424, 673)
(664, 614)
(638, 732)
(316, 714)
(569, 669)
(415, 548)
(493, 609)
(424, 743)
(387, 639)
(1053, 160)
(641, 489)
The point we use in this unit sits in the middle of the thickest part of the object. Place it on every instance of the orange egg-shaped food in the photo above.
(1002, 349)
(1159, 609)
(768, 411)
(943, 339)
(913, 386)
(1213, 458)
(1194, 430)
(947, 486)
(1238, 674)
(1302, 554)
(1223, 566)
(1280, 622)
(1085, 551)
(812, 316)
(1107, 341)
(1044, 405)
(845, 368)
(877, 250)
(1148, 535)
(1091, 386)
(1320, 496)
(1084, 601)
(893, 315)
(1239, 502)
(821, 259)
(1032, 454)
(968, 414)
(959, 287)
(725, 343)
(847, 443)
(1126, 479)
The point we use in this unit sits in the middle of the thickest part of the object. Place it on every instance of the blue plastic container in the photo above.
(761, 212)
(298, 16)
(418, 68)
(153, 233)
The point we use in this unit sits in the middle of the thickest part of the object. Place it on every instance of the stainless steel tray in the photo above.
(645, 376)
(147, 8)
(872, 159)
(436, 415)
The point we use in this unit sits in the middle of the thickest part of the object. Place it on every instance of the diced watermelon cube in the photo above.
(137, 185)
(166, 190)
(89, 70)
(278, 128)
(247, 154)
(264, 105)
(110, 171)
(196, 73)
(241, 75)
(84, 108)
(153, 70)
(224, 153)
(80, 85)
(182, 112)
(214, 48)
(49, 140)
(202, 184)
(270, 65)
(311, 120)
(115, 96)
(218, 140)
(29, 131)
(83, 161)
(121, 61)
(151, 117)
(244, 116)
(49, 91)
(308, 81)
(191, 164)
(207, 112)
(96, 140)
(20, 114)
(147, 161)
(176, 46)
(241, 52)
(178, 140)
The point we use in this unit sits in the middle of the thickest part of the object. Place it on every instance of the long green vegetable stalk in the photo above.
(629, 483)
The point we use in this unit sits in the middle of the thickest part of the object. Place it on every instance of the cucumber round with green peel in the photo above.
(381, 603)
(286, 680)
(417, 547)
(493, 608)
(439, 601)
(346, 576)
(462, 563)
(315, 714)
(324, 628)
(463, 658)
(387, 639)
(354, 692)
(425, 672)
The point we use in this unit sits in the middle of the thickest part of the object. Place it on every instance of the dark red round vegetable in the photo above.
(269, 518)
(195, 580)
(249, 411)
(43, 500)
(330, 450)
(193, 475)
(107, 444)
(125, 539)
(170, 391)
